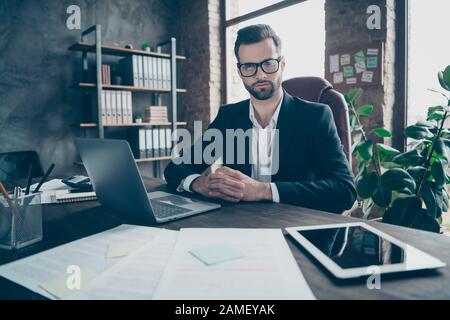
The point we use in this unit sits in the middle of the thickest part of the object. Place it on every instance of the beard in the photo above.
(263, 93)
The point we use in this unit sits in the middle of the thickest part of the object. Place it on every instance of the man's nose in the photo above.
(260, 74)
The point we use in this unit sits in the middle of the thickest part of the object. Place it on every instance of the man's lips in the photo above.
(262, 85)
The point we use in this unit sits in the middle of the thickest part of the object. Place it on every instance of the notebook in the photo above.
(75, 197)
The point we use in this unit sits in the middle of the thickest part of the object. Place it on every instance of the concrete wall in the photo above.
(38, 109)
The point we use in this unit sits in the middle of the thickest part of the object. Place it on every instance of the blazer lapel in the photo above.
(243, 122)
(285, 126)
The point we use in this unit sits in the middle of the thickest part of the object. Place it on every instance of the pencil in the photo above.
(50, 169)
(30, 175)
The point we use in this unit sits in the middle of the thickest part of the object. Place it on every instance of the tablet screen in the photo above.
(354, 246)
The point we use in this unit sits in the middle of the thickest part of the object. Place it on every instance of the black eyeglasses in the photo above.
(251, 68)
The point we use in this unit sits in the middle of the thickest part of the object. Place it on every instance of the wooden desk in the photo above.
(68, 222)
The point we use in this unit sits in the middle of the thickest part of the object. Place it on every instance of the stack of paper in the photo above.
(263, 269)
(53, 273)
(133, 262)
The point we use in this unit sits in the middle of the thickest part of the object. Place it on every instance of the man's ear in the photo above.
(283, 63)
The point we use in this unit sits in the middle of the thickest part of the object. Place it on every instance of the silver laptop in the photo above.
(118, 184)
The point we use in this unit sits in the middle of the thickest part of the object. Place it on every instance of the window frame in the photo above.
(236, 20)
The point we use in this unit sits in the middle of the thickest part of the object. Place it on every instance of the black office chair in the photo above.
(15, 165)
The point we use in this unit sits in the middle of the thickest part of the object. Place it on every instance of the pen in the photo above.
(50, 169)
(10, 204)
(30, 175)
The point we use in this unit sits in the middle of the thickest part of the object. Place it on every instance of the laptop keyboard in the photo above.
(163, 210)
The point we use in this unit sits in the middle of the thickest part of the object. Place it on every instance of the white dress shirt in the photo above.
(262, 142)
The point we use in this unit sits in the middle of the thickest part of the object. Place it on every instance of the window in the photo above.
(428, 54)
(303, 41)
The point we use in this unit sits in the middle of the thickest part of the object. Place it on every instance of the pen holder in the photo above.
(20, 221)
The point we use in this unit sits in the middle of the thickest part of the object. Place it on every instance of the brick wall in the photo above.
(345, 23)
(202, 76)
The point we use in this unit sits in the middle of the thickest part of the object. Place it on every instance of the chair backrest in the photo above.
(316, 89)
(15, 165)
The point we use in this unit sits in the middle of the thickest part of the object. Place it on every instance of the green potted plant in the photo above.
(409, 187)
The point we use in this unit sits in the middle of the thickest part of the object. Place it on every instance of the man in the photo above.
(301, 164)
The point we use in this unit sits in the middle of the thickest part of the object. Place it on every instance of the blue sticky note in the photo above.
(215, 254)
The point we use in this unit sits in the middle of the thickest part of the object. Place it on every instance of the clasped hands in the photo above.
(231, 185)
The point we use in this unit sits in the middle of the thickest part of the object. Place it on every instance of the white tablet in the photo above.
(351, 250)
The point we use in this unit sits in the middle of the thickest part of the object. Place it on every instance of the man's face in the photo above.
(262, 85)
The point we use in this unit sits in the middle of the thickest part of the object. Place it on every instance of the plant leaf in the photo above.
(366, 184)
(442, 82)
(418, 132)
(438, 172)
(410, 158)
(365, 149)
(382, 197)
(417, 173)
(403, 211)
(440, 148)
(385, 150)
(446, 76)
(397, 179)
(429, 197)
(425, 222)
(354, 95)
(382, 133)
(365, 110)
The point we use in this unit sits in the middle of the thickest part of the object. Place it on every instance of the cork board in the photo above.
(355, 68)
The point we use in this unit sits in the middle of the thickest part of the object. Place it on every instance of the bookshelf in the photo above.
(99, 49)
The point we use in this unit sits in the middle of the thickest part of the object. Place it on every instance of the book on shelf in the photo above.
(146, 72)
(156, 114)
(152, 142)
(106, 74)
(116, 107)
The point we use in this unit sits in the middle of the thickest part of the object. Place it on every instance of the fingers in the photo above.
(219, 195)
(227, 181)
(217, 187)
(232, 173)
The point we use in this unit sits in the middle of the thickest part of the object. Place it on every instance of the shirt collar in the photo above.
(273, 120)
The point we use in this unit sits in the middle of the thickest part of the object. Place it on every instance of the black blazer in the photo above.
(313, 170)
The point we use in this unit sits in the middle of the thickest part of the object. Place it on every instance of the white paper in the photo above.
(367, 76)
(334, 63)
(87, 253)
(55, 184)
(345, 59)
(372, 52)
(351, 80)
(134, 277)
(360, 67)
(338, 77)
(267, 271)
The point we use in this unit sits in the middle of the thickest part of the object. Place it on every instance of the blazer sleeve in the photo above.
(333, 189)
(175, 173)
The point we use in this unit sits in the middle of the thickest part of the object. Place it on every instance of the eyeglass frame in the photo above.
(259, 65)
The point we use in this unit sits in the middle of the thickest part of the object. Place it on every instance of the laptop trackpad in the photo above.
(176, 200)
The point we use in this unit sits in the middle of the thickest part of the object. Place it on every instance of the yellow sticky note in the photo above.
(66, 285)
(124, 248)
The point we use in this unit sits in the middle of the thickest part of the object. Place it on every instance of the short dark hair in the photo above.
(254, 34)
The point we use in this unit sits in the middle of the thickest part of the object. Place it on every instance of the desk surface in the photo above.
(67, 222)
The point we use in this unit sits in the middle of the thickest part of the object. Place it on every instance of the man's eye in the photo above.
(247, 66)
(269, 63)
